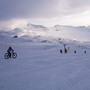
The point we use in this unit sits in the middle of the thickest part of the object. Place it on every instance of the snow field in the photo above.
(42, 67)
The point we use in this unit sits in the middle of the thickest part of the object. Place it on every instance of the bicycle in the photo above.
(13, 55)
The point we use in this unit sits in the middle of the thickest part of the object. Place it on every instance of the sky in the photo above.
(45, 12)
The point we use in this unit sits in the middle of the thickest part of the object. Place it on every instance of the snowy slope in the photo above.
(74, 33)
(40, 33)
(40, 66)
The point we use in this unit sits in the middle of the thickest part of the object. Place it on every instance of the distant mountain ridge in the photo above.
(80, 33)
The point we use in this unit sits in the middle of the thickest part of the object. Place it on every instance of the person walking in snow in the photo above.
(61, 51)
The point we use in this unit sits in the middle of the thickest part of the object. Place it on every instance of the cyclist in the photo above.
(10, 50)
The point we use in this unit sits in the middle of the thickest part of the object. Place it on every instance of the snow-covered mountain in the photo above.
(39, 33)
(39, 64)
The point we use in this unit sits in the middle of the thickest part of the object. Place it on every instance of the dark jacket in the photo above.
(10, 49)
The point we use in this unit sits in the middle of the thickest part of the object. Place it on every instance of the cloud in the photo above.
(14, 9)
(78, 6)
(25, 8)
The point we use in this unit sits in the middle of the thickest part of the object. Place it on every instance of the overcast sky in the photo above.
(48, 12)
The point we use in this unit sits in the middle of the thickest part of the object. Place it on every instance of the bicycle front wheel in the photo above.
(14, 55)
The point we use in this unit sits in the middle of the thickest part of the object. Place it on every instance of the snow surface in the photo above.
(40, 66)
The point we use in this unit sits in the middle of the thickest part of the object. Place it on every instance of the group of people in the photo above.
(65, 50)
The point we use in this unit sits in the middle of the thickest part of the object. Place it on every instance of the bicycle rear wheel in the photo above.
(6, 56)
